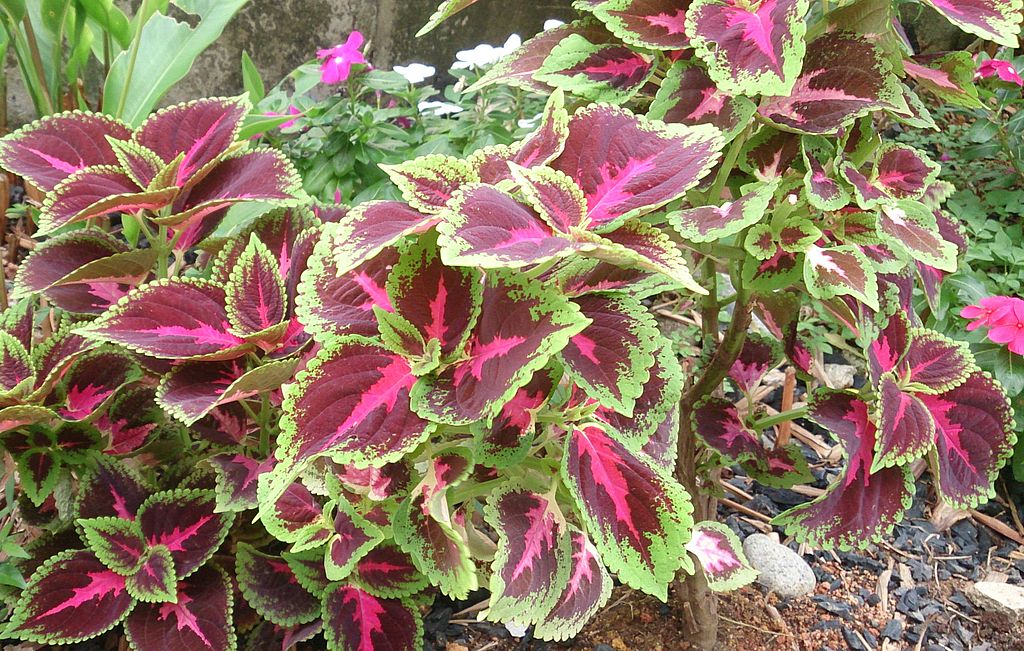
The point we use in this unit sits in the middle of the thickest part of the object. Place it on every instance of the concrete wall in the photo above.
(281, 34)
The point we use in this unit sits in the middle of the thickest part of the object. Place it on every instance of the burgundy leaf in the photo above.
(154, 581)
(758, 356)
(186, 523)
(271, 588)
(183, 318)
(769, 153)
(586, 591)
(608, 72)
(521, 324)
(429, 182)
(994, 20)
(352, 403)
(906, 430)
(904, 172)
(237, 477)
(721, 556)
(627, 165)
(294, 516)
(386, 571)
(974, 438)
(50, 150)
(16, 370)
(116, 542)
(506, 439)
(860, 506)
(256, 300)
(202, 130)
(936, 362)
(71, 597)
(587, 276)
(657, 24)
(689, 96)
(638, 516)
(355, 620)
(92, 380)
(96, 191)
(555, 197)
(112, 489)
(528, 573)
(200, 619)
(353, 537)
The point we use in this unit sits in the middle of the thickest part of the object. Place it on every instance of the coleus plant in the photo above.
(465, 389)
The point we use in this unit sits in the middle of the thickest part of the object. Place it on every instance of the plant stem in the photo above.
(731, 156)
(781, 417)
(724, 356)
(132, 56)
(37, 62)
(709, 304)
(161, 245)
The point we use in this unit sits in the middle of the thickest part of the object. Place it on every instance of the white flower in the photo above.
(415, 73)
(439, 108)
(529, 123)
(485, 54)
(516, 630)
(552, 23)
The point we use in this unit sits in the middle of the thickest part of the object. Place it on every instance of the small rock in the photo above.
(999, 597)
(840, 376)
(603, 647)
(781, 569)
(852, 641)
(829, 605)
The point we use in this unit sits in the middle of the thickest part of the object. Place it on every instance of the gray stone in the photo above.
(1002, 598)
(782, 570)
(840, 376)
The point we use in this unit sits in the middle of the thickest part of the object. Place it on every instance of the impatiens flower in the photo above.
(552, 23)
(415, 73)
(997, 67)
(1003, 315)
(289, 123)
(338, 60)
(439, 108)
(485, 54)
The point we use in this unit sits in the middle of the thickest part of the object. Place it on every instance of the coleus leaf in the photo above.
(749, 49)
(911, 227)
(546, 143)
(554, 195)
(650, 24)
(521, 325)
(255, 175)
(506, 439)
(612, 357)
(906, 430)
(331, 302)
(440, 302)
(445, 10)
(638, 516)
(366, 230)
(18, 320)
(256, 301)
(271, 588)
(16, 369)
(758, 355)
(640, 245)
(61, 256)
(201, 132)
(40, 470)
(778, 271)
(840, 270)
(688, 96)
(388, 572)
(599, 72)
(823, 191)
(720, 554)
(769, 153)
(237, 477)
(141, 164)
(154, 580)
(531, 565)
(351, 403)
(194, 389)
(582, 276)
(355, 620)
(710, 223)
(993, 20)
(110, 489)
(628, 165)
(423, 527)
(96, 191)
(974, 438)
(903, 171)
(184, 521)
(486, 227)
(586, 591)
(844, 76)
(518, 68)
(70, 598)
(935, 362)
(427, 183)
(950, 77)
(200, 618)
(293, 514)
(651, 429)
(91, 382)
(353, 537)
(860, 506)
(183, 318)
(867, 194)
(308, 567)
(49, 150)
(118, 543)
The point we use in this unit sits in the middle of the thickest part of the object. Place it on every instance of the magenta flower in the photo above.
(288, 124)
(1003, 69)
(1003, 316)
(338, 60)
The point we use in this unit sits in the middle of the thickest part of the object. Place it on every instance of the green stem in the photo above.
(726, 353)
(58, 51)
(264, 421)
(37, 67)
(132, 56)
(162, 250)
(781, 417)
(728, 163)
(709, 304)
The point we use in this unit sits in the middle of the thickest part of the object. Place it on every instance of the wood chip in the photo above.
(998, 526)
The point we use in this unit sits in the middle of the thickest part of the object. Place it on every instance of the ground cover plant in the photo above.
(315, 426)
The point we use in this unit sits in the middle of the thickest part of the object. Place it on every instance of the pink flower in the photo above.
(338, 60)
(337, 196)
(1003, 69)
(287, 124)
(1003, 315)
